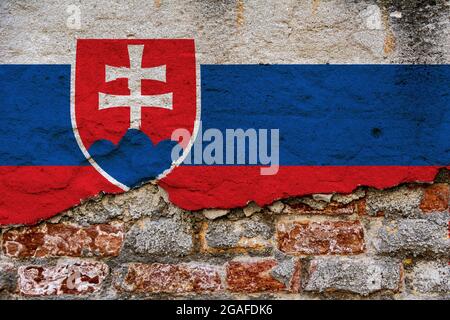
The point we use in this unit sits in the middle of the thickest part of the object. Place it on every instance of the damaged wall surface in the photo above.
(368, 244)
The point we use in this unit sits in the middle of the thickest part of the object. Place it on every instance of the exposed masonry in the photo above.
(390, 244)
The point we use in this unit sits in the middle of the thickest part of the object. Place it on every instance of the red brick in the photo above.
(361, 207)
(435, 198)
(253, 276)
(332, 209)
(63, 240)
(295, 283)
(315, 238)
(73, 278)
(171, 278)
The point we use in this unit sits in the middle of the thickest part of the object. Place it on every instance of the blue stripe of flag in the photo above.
(345, 115)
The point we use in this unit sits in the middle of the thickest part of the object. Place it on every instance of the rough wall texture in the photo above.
(368, 244)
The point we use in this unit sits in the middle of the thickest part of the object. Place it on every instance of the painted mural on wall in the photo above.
(214, 136)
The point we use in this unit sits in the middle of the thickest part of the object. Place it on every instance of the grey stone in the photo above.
(226, 234)
(432, 277)
(251, 208)
(396, 14)
(284, 31)
(347, 198)
(252, 228)
(97, 210)
(423, 33)
(148, 200)
(160, 237)
(7, 276)
(318, 205)
(222, 235)
(215, 213)
(372, 17)
(284, 270)
(428, 235)
(277, 207)
(372, 40)
(322, 197)
(361, 275)
(400, 201)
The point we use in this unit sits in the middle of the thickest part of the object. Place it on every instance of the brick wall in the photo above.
(368, 244)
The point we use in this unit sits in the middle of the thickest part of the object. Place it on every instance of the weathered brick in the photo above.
(431, 277)
(436, 198)
(262, 275)
(235, 236)
(161, 237)
(327, 237)
(170, 278)
(74, 278)
(414, 236)
(331, 209)
(361, 207)
(361, 275)
(63, 240)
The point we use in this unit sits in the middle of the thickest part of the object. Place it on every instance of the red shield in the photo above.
(96, 58)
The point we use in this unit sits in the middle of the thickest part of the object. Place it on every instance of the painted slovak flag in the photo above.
(111, 129)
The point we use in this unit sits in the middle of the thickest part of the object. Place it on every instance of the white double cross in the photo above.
(135, 101)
